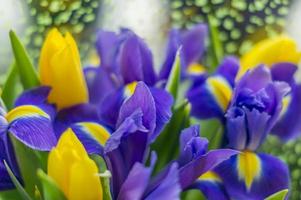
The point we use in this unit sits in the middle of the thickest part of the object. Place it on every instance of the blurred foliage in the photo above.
(75, 16)
(241, 23)
(291, 154)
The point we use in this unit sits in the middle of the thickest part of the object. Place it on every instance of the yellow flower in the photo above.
(269, 52)
(72, 169)
(60, 68)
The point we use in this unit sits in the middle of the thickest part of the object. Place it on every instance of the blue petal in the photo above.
(289, 125)
(135, 60)
(212, 187)
(126, 146)
(100, 83)
(191, 145)
(163, 103)
(7, 154)
(273, 177)
(32, 126)
(168, 186)
(205, 99)
(229, 68)
(92, 135)
(78, 113)
(38, 97)
(193, 46)
(141, 99)
(284, 72)
(110, 106)
(189, 173)
(137, 181)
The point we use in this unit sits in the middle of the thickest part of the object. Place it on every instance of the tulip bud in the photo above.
(60, 68)
(72, 169)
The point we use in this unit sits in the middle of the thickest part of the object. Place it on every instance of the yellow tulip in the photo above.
(60, 68)
(72, 169)
(269, 52)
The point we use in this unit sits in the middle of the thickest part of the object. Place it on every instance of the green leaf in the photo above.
(29, 163)
(50, 188)
(105, 181)
(212, 129)
(278, 195)
(18, 185)
(215, 46)
(174, 76)
(10, 87)
(10, 194)
(170, 136)
(28, 75)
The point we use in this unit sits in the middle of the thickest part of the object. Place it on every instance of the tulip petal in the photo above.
(273, 176)
(32, 126)
(60, 69)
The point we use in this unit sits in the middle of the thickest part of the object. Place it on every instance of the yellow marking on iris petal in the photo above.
(210, 176)
(23, 111)
(60, 68)
(285, 103)
(269, 52)
(97, 131)
(130, 88)
(248, 167)
(73, 171)
(196, 69)
(221, 91)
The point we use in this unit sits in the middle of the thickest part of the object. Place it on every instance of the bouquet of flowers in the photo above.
(122, 131)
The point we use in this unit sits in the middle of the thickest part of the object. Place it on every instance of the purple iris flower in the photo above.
(289, 124)
(127, 150)
(125, 58)
(210, 96)
(192, 43)
(30, 122)
(253, 111)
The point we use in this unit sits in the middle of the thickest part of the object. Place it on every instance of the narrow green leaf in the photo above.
(105, 181)
(28, 75)
(29, 163)
(174, 76)
(10, 87)
(215, 47)
(278, 195)
(212, 129)
(50, 189)
(10, 194)
(18, 185)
